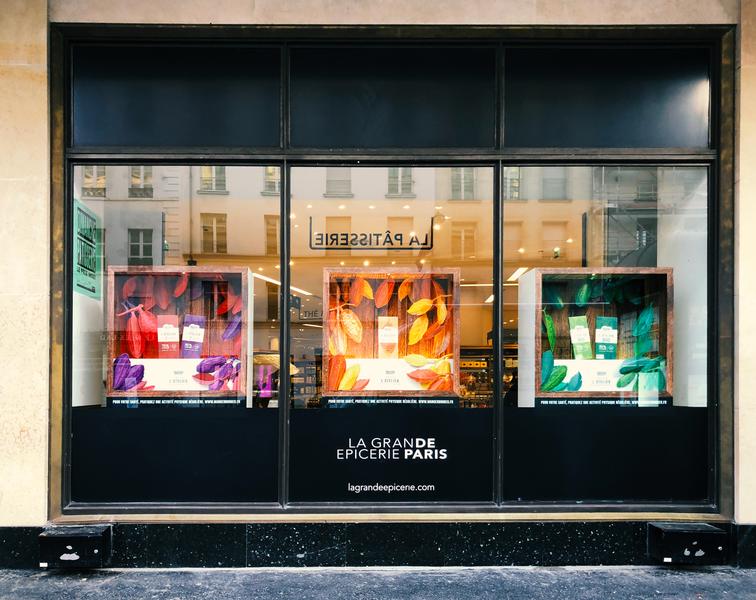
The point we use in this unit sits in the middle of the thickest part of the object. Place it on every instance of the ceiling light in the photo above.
(490, 299)
(342, 263)
(438, 207)
(521, 250)
(296, 225)
(292, 216)
(422, 261)
(371, 207)
(436, 226)
(406, 207)
(517, 274)
(393, 262)
(276, 282)
(342, 206)
(259, 268)
(365, 263)
(309, 206)
(568, 240)
(412, 234)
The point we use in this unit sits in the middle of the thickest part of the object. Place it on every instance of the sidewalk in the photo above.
(527, 583)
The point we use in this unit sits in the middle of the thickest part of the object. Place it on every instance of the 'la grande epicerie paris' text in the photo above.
(379, 448)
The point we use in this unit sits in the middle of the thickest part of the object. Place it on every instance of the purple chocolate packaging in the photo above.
(192, 336)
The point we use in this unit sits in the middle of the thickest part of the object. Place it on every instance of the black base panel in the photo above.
(465, 475)
(374, 544)
(746, 550)
(20, 547)
(171, 454)
(605, 454)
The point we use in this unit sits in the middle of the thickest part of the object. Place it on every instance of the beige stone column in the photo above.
(24, 262)
(745, 284)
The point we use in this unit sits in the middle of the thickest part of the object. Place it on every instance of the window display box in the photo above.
(596, 336)
(179, 332)
(390, 333)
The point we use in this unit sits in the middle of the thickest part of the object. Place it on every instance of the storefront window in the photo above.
(601, 287)
(395, 289)
(391, 318)
(172, 305)
(331, 332)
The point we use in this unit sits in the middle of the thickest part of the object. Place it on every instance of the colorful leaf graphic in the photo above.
(548, 323)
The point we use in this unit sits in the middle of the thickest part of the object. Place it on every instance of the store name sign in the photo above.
(385, 448)
(370, 240)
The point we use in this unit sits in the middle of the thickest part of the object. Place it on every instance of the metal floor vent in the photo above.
(75, 547)
(688, 543)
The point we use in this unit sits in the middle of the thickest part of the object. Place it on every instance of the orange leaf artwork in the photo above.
(352, 325)
(356, 291)
(336, 370)
(383, 293)
(404, 289)
(420, 307)
(418, 329)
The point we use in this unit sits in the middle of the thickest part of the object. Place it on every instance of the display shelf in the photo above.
(179, 332)
(602, 335)
(476, 377)
(306, 383)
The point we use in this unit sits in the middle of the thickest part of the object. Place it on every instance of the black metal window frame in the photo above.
(717, 158)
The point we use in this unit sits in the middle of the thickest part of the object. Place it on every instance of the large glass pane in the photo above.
(137, 95)
(391, 318)
(606, 98)
(605, 316)
(396, 97)
(175, 334)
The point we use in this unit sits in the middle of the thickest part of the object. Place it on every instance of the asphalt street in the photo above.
(531, 583)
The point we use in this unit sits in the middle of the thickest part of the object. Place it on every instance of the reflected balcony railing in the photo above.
(140, 192)
(93, 192)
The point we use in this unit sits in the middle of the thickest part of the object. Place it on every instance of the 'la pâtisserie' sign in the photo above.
(370, 240)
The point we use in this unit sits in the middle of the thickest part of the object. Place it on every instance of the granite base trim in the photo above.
(538, 543)
(746, 546)
(19, 548)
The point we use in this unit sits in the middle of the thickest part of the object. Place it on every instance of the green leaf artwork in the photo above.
(575, 382)
(642, 345)
(547, 364)
(583, 294)
(633, 365)
(548, 323)
(552, 297)
(662, 379)
(654, 364)
(645, 320)
(556, 377)
(626, 379)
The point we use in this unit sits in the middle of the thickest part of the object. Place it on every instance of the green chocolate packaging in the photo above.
(606, 338)
(580, 336)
